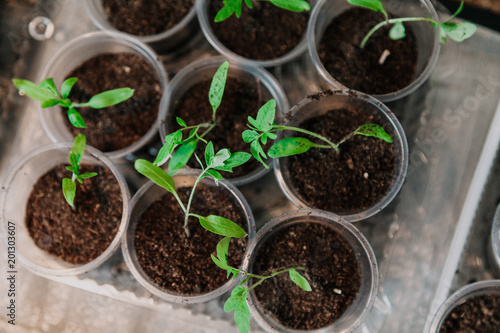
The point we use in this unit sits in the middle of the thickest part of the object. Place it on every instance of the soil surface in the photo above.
(359, 69)
(261, 33)
(119, 126)
(478, 314)
(347, 182)
(146, 17)
(332, 270)
(180, 264)
(75, 235)
(241, 99)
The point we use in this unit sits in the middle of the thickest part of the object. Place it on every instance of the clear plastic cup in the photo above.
(427, 38)
(202, 7)
(162, 42)
(482, 288)
(16, 191)
(495, 242)
(204, 69)
(355, 315)
(146, 196)
(339, 99)
(72, 55)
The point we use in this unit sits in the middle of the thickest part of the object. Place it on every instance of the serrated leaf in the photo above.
(209, 153)
(166, 151)
(75, 118)
(265, 116)
(69, 190)
(375, 131)
(32, 90)
(67, 85)
(220, 158)
(257, 151)
(458, 32)
(87, 175)
(249, 135)
(48, 84)
(109, 98)
(221, 226)
(292, 5)
(397, 31)
(181, 122)
(290, 146)
(217, 86)
(223, 249)
(235, 160)
(299, 280)
(156, 174)
(50, 103)
(375, 5)
(182, 155)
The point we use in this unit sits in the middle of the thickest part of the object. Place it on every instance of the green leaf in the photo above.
(290, 146)
(375, 5)
(219, 263)
(32, 90)
(67, 85)
(209, 153)
(442, 35)
(397, 31)
(74, 160)
(69, 190)
(263, 139)
(265, 116)
(75, 118)
(217, 86)
(221, 226)
(238, 304)
(182, 155)
(191, 135)
(299, 280)
(166, 151)
(50, 103)
(249, 135)
(215, 174)
(181, 122)
(249, 3)
(223, 249)
(292, 5)
(88, 175)
(235, 160)
(156, 174)
(109, 98)
(272, 136)
(78, 147)
(225, 12)
(458, 32)
(373, 130)
(48, 84)
(258, 152)
(220, 158)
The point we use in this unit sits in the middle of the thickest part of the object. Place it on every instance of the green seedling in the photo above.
(263, 128)
(223, 160)
(235, 6)
(236, 302)
(455, 31)
(47, 94)
(75, 157)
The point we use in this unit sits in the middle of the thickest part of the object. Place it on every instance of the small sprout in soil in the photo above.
(236, 302)
(263, 128)
(47, 93)
(223, 160)
(456, 31)
(75, 157)
(234, 6)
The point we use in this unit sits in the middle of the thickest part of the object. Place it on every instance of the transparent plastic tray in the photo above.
(451, 123)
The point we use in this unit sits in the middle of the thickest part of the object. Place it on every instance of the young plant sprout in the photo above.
(47, 93)
(235, 6)
(456, 31)
(263, 128)
(223, 160)
(75, 157)
(236, 302)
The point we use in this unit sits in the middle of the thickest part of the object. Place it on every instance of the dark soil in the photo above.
(116, 127)
(347, 182)
(332, 270)
(179, 264)
(146, 17)
(262, 33)
(478, 314)
(241, 99)
(80, 235)
(359, 69)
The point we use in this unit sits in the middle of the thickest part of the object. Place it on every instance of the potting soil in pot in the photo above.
(119, 126)
(261, 33)
(81, 234)
(331, 268)
(477, 314)
(180, 264)
(349, 181)
(359, 69)
(241, 99)
(146, 17)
